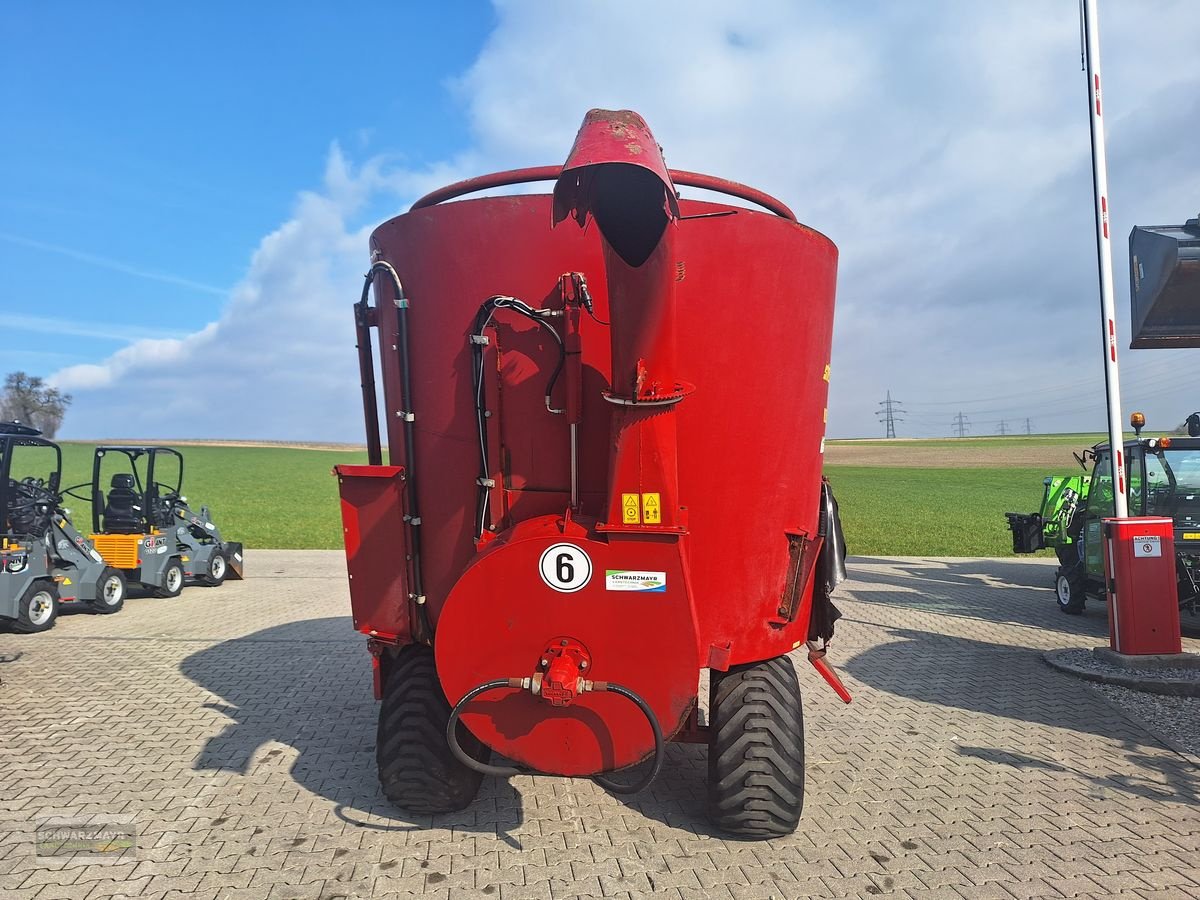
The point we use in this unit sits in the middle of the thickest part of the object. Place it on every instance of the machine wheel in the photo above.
(1069, 590)
(756, 749)
(172, 581)
(218, 568)
(416, 769)
(110, 592)
(1068, 556)
(39, 608)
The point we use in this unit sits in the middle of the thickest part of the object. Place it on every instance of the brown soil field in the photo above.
(963, 453)
(198, 442)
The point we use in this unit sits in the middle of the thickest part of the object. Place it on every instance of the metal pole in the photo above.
(1112, 383)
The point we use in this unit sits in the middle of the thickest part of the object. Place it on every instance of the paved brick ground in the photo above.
(234, 728)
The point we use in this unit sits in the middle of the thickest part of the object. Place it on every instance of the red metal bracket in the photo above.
(816, 656)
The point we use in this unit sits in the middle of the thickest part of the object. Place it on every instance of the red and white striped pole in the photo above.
(1112, 382)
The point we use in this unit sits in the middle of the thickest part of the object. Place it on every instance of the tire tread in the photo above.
(1078, 583)
(416, 769)
(756, 750)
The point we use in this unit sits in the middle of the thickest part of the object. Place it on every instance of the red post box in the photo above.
(1139, 579)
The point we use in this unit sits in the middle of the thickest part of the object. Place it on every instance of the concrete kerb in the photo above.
(1176, 675)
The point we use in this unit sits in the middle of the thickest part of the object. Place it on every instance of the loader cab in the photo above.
(1163, 479)
(134, 488)
(1101, 503)
(30, 473)
(1172, 486)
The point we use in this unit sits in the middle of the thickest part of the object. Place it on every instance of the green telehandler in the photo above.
(1162, 479)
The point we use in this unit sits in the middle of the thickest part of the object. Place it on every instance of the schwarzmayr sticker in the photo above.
(632, 580)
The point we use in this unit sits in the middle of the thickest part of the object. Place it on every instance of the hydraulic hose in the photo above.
(366, 372)
(409, 419)
(452, 739)
(479, 340)
(660, 744)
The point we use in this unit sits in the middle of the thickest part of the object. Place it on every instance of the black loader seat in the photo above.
(122, 512)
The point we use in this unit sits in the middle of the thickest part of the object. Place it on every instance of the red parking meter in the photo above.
(1139, 579)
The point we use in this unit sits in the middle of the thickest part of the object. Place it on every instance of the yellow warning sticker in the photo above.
(631, 510)
(826, 375)
(653, 509)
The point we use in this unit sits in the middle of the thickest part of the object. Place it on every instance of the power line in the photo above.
(1002, 427)
(961, 425)
(1134, 370)
(889, 415)
(1028, 429)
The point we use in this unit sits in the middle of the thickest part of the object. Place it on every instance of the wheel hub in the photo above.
(39, 609)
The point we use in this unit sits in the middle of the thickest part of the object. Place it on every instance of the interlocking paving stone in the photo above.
(235, 726)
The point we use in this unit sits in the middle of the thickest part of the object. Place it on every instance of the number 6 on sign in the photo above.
(565, 567)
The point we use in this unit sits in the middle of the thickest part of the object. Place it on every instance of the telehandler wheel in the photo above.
(756, 749)
(1069, 590)
(1067, 556)
(172, 581)
(218, 568)
(416, 769)
(110, 592)
(39, 608)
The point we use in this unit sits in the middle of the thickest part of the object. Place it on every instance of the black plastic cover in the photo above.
(1164, 285)
(1027, 533)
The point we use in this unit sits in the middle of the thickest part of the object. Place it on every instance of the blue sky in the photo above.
(185, 197)
(146, 155)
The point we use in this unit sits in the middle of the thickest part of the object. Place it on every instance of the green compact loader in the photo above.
(1056, 525)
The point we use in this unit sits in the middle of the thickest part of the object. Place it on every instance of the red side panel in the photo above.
(1143, 594)
(376, 548)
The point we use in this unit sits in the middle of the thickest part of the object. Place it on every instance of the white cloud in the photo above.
(279, 363)
(943, 146)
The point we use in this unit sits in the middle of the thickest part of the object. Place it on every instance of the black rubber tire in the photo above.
(756, 749)
(24, 622)
(416, 769)
(99, 605)
(221, 570)
(1069, 588)
(1067, 555)
(165, 591)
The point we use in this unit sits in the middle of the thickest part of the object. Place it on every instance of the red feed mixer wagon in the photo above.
(605, 416)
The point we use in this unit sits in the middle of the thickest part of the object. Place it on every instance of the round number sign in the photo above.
(565, 567)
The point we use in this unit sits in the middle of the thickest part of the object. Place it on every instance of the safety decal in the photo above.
(565, 568)
(631, 509)
(651, 509)
(1147, 545)
(633, 580)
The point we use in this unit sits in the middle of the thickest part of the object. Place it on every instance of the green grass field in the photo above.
(932, 512)
(933, 500)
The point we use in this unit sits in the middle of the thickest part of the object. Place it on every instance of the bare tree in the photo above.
(28, 399)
